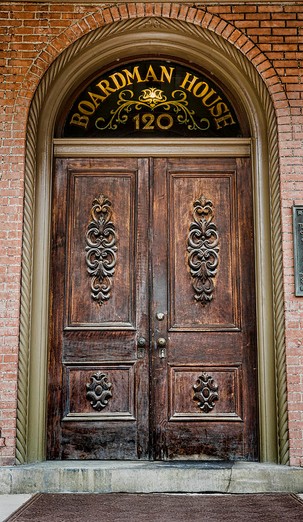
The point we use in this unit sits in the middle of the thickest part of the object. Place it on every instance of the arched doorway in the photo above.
(152, 337)
(195, 49)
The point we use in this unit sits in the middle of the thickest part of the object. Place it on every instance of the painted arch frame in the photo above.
(100, 47)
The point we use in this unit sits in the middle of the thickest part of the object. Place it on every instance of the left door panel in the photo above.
(98, 364)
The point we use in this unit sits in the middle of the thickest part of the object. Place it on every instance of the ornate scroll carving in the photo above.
(203, 250)
(98, 391)
(149, 99)
(206, 392)
(101, 249)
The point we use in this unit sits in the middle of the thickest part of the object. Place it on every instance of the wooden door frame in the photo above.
(188, 42)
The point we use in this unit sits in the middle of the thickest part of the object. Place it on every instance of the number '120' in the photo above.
(149, 121)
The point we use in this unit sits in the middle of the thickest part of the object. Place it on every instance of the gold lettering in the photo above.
(198, 86)
(164, 72)
(219, 109)
(224, 121)
(215, 106)
(95, 98)
(77, 119)
(150, 75)
(187, 80)
(104, 87)
(86, 107)
(131, 76)
(169, 121)
(209, 95)
(116, 77)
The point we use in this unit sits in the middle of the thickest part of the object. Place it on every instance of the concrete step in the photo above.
(150, 477)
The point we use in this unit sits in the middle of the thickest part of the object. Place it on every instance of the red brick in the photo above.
(227, 31)
(183, 12)
(245, 24)
(219, 9)
(284, 16)
(33, 35)
(273, 24)
(164, 9)
(132, 10)
(234, 17)
(206, 19)
(220, 27)
(149, 9)
(140, 9)
(257, 16)
(297, 8)
(174, 10)
(214, 22)
(235, 36)
(247, 8)
(259, 31)
(191, 14)
(270, 8)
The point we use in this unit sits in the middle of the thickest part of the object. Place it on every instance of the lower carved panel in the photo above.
(205, 393)
(99, 392)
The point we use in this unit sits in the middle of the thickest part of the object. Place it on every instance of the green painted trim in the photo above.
(118, 40)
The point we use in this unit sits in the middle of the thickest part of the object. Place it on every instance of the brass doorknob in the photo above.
(161, 342)
(141, 342)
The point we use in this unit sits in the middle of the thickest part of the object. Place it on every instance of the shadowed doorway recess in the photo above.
(153, 329)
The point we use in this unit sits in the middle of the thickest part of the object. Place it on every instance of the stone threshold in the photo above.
(150, 477)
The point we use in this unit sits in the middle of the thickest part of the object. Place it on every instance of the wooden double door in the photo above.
(152, 338)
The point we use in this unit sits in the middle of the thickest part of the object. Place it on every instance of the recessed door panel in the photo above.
(101, 226)
(202, 215)
(108, 393)
(203, 396)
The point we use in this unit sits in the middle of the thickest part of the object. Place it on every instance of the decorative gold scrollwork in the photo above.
(101, 249)
(149, 99)
(203, 250)
(206, 392)
(98, 391)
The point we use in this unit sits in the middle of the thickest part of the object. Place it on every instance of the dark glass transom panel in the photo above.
(151, 98)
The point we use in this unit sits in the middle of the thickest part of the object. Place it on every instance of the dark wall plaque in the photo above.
(298, 248)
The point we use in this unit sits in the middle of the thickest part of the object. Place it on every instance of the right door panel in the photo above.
(204, 359)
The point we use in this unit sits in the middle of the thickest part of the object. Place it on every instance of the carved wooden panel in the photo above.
(203, 250)
(101, 249)
(98, 385)
(203, 381)
(84, 383)
(98, 390)
(185, 399)
(206, 392)
(203, 274)
(205, 384)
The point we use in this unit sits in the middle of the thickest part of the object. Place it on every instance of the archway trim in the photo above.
(79, 60)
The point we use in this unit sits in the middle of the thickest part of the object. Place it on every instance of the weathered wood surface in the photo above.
(180, 236)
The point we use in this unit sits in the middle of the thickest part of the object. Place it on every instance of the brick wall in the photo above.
(32, 36)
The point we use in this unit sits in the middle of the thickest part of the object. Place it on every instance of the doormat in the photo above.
(124, 507)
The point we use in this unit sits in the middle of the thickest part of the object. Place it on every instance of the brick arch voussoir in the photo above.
(252, 53)
(101, 17)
